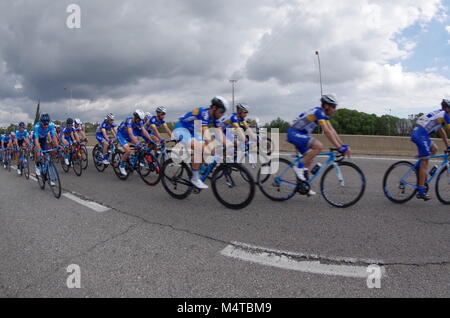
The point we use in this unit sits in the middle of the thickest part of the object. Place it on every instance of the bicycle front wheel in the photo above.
(400, 181)
(41, 177)
(443, 186)
(97, 157)
(277, 180)
(149, 169)
(53, 180)
(26, 166)
(176, 179)
(77, 163)
(84, 157)
(233, 186)
(344, 185)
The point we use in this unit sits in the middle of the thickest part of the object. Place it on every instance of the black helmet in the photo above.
(219, 102)
(445, 103)
(329, 99)
(21, 124)
(69, 121)
(45, 119)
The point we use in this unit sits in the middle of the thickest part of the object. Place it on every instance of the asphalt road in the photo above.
(147, 244)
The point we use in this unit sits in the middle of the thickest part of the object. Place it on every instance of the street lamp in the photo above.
(66, 88)
(320, 73)
(233, 82)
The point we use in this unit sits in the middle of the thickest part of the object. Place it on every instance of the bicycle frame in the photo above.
(445, 162)
(331, 161)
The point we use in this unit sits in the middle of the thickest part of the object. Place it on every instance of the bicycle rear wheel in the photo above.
(116, 163)
(399, 182)
(53, 180)
(176, 179)
(233, 186)
(345, 188)
(65, 167)
(277, 180)
(443, 186)
(41, 178)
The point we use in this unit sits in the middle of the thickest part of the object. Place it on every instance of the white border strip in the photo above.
(89, 204)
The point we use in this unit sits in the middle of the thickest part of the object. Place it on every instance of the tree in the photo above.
(279, 123)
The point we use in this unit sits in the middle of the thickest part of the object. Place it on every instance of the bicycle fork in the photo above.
(339, 174)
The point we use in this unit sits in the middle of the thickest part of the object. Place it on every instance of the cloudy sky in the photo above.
(376, 55)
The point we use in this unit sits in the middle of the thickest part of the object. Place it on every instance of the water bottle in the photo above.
(433, 171)
(316, 168)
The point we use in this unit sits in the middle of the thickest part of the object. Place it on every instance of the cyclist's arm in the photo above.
(145, 133)
(105, 134)
(443, 135)
(167, 129)
(336, 134)
(247, 127)
(132, 136)
(330, 133)
(155, 130)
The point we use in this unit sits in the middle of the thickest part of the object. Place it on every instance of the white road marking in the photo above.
(286, 260)
(89, 204)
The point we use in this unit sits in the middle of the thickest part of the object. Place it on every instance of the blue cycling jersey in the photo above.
(153, 122)
(106, 126)
(306, 122)
(198, 114)
(129, 123)
(21, 135)
(41, 132)
(434, 121)
(232, 121)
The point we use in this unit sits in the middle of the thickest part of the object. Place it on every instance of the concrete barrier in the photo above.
(365, 145)
(370, 145)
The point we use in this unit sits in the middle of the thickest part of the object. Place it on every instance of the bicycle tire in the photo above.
(115, 165)
(77, 162)
(84, 157)
(225, 170)
(358, 196)
(25, 166)
(168, 181)
(442, 176)
(385, 180)
(53, 175)
(153, 168)
(262, 180)
(95, 154)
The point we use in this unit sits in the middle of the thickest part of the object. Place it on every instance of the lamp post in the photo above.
(233, 82)
(66, 89)
(320, 73)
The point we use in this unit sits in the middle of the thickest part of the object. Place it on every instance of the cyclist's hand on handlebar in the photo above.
(345, 149)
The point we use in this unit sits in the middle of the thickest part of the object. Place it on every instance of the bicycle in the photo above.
(224, 179)
(7, 159)
(75, 159)
(341, 191)
(97, 155)
(24, 159)
(49, 174)
(400, 180)
(84, 154)
(141, 160)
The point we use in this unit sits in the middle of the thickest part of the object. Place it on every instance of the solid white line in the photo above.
(89, 204)
(283, 261)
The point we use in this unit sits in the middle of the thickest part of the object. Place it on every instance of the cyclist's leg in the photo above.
(424, 146)
(125, 145)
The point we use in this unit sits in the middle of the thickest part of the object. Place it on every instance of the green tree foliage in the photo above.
(279, 123)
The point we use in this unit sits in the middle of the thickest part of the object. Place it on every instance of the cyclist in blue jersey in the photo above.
(42, 130)
(435, 122)
(79, 129)
(299, 134)
(154, 122)
(192, 131)
(7, 142)
(128, 132)
(22, 140)
(69, 138)
(237, 122)
(102, 135)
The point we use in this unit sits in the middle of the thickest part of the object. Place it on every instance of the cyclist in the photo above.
(102, 135)
(426, 126)
(22, 140)
(69, 138)
(184, 131)
(79, 129)
(6, 143)
(42, 130)
(299, 134)
(128, 132)
(154, 122)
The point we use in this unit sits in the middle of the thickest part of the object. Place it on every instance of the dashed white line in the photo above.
(287, 260)
(89, 204)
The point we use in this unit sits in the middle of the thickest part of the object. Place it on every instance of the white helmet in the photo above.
(110, 116)
(161, 110)
(77, 121)
(139, 114)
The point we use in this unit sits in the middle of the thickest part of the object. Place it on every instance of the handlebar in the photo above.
(338, 154)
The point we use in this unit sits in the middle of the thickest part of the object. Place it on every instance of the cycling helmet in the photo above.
(109, 117)
(445, 103)
(21, 124)
(161, 110)
(77, 121)
(139, 114)
(45, 119)
(220, 102)
(148, 115)
(69, 121)
(243, 107)
(329, 99)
